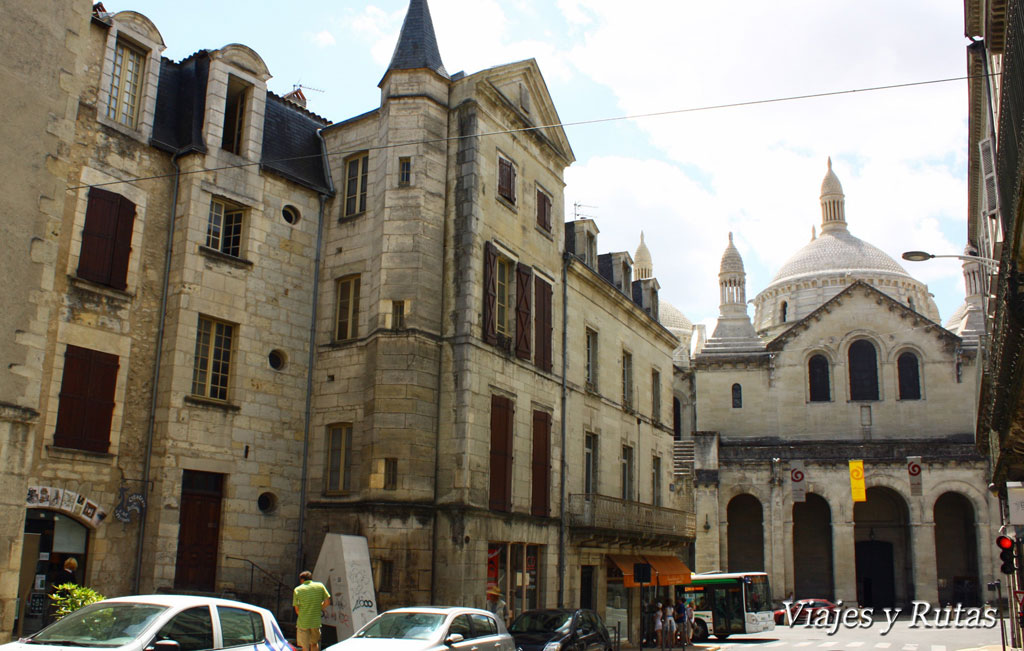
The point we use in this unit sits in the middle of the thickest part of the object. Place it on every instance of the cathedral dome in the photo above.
(670, 317)
(835, 251)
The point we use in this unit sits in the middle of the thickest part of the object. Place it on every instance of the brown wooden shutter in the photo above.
(543, 210)
(523, 301)
(86, 405)
(490, 293)
(542, 324)
(506, 179)
(541, 463)
(106, 239)
(501, 453)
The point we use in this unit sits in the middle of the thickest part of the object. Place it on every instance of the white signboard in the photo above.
(1015, 502)
(344, 567)
(914, 473)
(796, 480)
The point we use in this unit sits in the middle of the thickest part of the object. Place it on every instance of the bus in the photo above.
(725, 603)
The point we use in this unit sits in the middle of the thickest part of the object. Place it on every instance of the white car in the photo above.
(160, 623)
(430, 629)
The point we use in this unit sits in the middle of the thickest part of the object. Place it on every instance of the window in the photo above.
(783, 312)
(656, 396)
(910, 376)
(506, 292)
(390, 474)
(656, 481)
(213, 359)
(404, 171)
(339, 458)
(863, 371)
(626, 274)
(591, 250)
(238, 626)
(384, 575)
(347, 317)
(591, 359)
(290, 214)
(737, 396)
(506, 179)
(818, 378)
(627, 380)
(502, 411)
(234, 115)
(627, 473)
(86, 404)
(224, 229)
(484, 625)
(192, 629)
(355, 184)
(106, 239)
(126, 85)
(542, 323)
(543, 210)
(590, 463)
(541, 463)
(397, 314)
(677, 418)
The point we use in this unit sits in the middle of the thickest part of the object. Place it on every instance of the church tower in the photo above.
(833, 202)
(734, 333)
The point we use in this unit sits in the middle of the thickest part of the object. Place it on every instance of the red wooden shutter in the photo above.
(542, 324)
(490, 293)
(506, 179)
(541, 463)
(122, 244)
(501, 454)
(543, 210)
(523, 301)
(106, 239)
(86, 405)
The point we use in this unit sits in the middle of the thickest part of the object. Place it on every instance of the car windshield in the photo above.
(403, 626)
(102, 624)
(541, 622)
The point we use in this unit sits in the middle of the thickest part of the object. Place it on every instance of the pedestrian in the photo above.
(67, 575)
(309, 600)
(657, 625)
(687, 624)
(668, 632)
(496, 604)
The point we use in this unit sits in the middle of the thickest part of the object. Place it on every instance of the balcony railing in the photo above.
(608, 513)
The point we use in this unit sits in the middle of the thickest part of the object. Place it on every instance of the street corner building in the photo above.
(844, 361)
(232, 327)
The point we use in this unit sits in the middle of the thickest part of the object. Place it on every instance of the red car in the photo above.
(803, 610)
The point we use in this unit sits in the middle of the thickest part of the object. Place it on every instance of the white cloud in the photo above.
(324, 38)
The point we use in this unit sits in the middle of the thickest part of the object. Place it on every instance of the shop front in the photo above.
(513, 577)
(635, 584)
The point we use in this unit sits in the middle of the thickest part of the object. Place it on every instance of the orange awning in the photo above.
(625, 563)
(668, 570)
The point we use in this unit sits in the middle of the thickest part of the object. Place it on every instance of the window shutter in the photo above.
(490, 293)
(501, 454)
(505, 179)
(542, 324)
(86, 404)
(988, 172)
(122, 244)
(541, 463)
(98, 236)
(543, 210)
(523, 300)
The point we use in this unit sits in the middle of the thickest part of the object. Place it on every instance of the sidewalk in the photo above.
(710, 646)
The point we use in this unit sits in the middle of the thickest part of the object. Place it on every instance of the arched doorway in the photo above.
(956, 550)
(884, 559)
(50, 538)
(745, 534)
(812, 549)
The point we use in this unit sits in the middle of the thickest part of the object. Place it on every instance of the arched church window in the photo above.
(910, 376)
(737, 396)
(783, 312)
(817, 377)
(863, 371)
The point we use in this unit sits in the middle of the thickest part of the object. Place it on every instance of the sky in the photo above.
(685, 179)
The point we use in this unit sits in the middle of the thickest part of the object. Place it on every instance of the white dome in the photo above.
(670, 317)
(837, 250)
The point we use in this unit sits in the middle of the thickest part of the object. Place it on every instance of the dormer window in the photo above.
(591, 251)
(126, 85)
(234, 115)
(627, 273)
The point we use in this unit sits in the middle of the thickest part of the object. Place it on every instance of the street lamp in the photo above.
(990, 264)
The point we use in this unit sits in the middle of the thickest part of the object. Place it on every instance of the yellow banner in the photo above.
(857, 480)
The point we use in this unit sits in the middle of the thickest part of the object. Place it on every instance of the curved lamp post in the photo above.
(990, 264)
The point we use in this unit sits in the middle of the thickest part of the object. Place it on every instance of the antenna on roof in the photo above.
(296, 87)
(578, 214)
(297, 96)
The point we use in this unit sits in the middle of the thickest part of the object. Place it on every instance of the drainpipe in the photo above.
(151, 421)
(562, 465)
(308, 413)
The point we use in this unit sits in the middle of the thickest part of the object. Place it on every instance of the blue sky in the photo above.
(686, 180)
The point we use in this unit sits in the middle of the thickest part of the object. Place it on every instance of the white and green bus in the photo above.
(727, 603)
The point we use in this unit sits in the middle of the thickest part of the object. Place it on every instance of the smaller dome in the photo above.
(731, 260)
(831, 185)
(670, 317)
(642, 259)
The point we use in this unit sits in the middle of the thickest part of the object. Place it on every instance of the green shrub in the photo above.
(69, 597)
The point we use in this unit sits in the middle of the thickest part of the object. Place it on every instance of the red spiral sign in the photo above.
(796, 475)
(914, 468)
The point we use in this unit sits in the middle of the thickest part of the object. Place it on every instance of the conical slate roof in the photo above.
(417, 44)
(830, 185)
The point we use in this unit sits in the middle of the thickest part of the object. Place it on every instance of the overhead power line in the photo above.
(619, 118)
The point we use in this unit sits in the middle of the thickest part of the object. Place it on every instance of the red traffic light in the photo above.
(1004, 542)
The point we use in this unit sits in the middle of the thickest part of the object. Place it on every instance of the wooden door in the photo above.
(198, 531)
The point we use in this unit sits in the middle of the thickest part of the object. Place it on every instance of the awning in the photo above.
(668, 570)
(625, 563)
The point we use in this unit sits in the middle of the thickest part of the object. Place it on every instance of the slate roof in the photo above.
(181, 104)
(291, 146)
(417, 44)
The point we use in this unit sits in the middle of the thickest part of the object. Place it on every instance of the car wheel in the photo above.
(701, 630)
(721, 636)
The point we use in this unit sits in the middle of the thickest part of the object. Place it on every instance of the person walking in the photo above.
(668, 632)
(657, 625)
(496, 604)
(687, 624)
(309, 600)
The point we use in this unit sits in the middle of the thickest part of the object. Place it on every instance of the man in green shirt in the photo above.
(309, 600)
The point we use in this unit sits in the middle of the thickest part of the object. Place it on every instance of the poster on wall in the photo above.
(797, 481)
(51, 497)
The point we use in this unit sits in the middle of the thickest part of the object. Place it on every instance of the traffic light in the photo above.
(1007, 554)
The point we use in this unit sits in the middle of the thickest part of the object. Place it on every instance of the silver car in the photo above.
(430, 629)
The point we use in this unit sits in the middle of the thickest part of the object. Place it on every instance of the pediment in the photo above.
(244, 58)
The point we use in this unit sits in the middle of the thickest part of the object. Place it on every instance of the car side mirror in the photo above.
(164, 645)
(454, 638)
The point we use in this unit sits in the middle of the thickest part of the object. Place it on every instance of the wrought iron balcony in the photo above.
(600, 513)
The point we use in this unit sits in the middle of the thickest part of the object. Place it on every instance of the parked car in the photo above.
(161, 623)
(430, 629)
(561, 629)
(804, 610)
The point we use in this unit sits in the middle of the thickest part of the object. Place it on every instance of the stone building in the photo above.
(844, 361)
(219, 354)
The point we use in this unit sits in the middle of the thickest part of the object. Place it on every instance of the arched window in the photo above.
(783, 312)
(910, 302)
(910, 376)
(737, 396)
(863, 371)
(817, 377)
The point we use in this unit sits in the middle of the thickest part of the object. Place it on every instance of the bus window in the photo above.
(728, 609)
(758, 595)
(696, 594)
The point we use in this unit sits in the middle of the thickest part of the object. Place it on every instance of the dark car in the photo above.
(571, 630)
(803, 610)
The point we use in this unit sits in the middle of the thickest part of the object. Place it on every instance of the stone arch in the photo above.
(884, 557)
(956, 549)
(909, 373)
(245, 58)
(819, 366)
(141, 25)
(863, 358)
(745, 535)
(812, 548)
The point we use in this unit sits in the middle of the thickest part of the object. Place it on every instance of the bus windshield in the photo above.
(758, 597)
